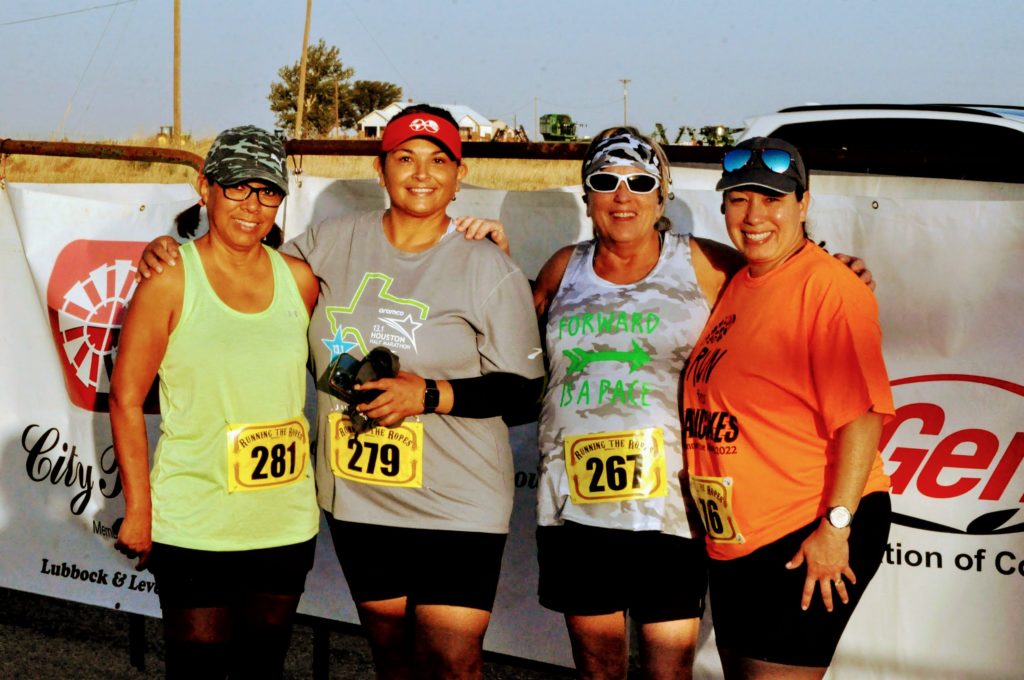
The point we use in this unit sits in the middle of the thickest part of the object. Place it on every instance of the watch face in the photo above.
(431, 397)
(839, 517)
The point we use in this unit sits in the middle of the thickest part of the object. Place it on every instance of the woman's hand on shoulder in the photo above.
(158, 252)
(479, 228)
(826, 552)
(858, 267)
(158, 299)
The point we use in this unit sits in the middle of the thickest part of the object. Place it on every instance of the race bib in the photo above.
(714, 500)
(267, 455)
(387, 456)
(616, 466)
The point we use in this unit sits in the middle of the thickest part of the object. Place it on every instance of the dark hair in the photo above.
(444, 114)
(427, 108)
(187, 222)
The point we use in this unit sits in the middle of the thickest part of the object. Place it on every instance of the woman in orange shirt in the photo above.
(784, 399)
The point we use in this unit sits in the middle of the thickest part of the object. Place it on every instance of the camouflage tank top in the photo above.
(610, 441)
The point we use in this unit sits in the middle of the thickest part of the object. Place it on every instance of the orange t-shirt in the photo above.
(785, 360)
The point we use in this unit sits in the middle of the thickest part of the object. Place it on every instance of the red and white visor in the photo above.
(427, 126)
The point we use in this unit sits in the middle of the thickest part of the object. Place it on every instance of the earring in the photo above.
(453, 199)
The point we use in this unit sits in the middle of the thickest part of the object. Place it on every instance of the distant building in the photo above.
(472, 125)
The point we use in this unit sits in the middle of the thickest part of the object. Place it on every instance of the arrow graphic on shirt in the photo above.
(581, 358)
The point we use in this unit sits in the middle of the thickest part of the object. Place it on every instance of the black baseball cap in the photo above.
(763, 163)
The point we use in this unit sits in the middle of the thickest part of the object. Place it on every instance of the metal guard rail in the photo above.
(936, 163)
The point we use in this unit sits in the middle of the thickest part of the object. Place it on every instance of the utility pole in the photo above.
(176, 133)
(337, 111)
(625, 100)
(300, 105)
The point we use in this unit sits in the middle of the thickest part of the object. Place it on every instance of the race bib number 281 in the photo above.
(267, 455)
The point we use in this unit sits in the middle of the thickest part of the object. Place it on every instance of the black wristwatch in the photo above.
(431, 396)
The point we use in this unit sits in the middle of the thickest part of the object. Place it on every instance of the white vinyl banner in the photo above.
(948, 601)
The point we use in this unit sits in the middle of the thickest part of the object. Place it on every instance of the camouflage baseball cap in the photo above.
(246, 153)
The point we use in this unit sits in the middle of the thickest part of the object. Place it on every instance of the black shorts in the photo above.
(190, 579)
(755, 600)
(587, 571)
(427, 566)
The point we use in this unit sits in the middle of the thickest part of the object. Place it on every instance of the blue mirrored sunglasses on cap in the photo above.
(776, 160)
(608, 182)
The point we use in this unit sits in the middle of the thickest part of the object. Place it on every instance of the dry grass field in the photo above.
(514, 175)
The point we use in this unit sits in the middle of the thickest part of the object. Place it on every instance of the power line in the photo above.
(380, 49)
(113, 55)
(64, 14)
(92, 56)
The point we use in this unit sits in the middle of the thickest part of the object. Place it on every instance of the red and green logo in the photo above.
(86, 299)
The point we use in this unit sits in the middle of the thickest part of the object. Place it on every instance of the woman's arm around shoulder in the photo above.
(549, 279)
(305, 279)
(714, 264)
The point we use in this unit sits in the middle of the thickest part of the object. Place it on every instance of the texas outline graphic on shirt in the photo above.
(405, 327)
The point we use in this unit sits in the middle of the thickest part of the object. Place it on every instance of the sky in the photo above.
(102, 69)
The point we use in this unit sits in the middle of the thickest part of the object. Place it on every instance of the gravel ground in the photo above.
(43, 638)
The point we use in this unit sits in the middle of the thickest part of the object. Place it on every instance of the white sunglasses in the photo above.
(608, 182)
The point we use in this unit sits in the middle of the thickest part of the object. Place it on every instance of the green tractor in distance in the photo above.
(557, 127)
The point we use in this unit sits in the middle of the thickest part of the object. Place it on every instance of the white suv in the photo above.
(949, 141)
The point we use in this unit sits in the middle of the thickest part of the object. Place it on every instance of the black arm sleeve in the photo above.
(511, 396)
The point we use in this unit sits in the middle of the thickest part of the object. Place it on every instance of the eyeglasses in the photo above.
(608, 182)
(776, 160)
(269, 197)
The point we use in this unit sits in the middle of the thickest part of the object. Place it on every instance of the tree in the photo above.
(330, 98)
(369, 95)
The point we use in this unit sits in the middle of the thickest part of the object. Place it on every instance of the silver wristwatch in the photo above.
(839, 516)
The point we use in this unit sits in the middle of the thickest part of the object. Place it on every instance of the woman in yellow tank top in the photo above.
(227, 518)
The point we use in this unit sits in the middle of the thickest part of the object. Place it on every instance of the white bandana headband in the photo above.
(623, 150)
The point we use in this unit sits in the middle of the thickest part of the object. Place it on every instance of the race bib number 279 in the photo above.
(385, 456)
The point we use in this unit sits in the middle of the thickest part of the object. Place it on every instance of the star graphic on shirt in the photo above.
(337, 344)
(406, 327)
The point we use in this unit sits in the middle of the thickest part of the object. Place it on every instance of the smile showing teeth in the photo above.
(623, 215)
(757, 237)
(421, 192)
